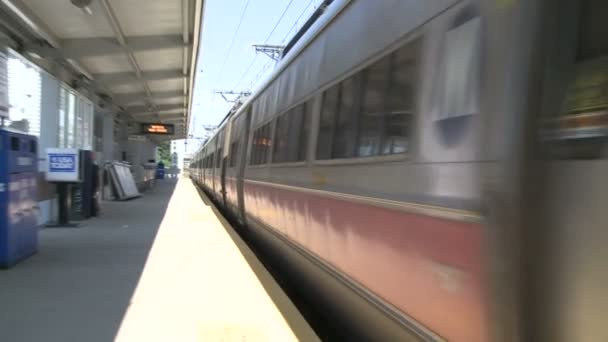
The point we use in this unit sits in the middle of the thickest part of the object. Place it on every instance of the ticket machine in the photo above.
(18, 196)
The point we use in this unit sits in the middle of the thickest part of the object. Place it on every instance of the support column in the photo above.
(49, 137)
(49, 115)
(108, 139)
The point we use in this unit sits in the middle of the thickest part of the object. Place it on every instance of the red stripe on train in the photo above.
(430, 268)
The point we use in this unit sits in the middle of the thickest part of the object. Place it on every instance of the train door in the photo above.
(217, 166)
(212, 169)
(224, 165)
(241, 165)
(567, 232)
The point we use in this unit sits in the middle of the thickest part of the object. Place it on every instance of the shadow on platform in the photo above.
(79, 285)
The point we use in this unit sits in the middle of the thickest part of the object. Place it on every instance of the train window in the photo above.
(261, 143)
(345, 129)
(254, 147)
(400, 99)
(370, 113)
(304, 137)
(281, 138)
(291, 135)
(575, 101)
(266, 142)
(328, 110)
(234, 152)
(218, 161)
(592, 42)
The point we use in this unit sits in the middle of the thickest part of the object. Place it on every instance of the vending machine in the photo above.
(18, 196)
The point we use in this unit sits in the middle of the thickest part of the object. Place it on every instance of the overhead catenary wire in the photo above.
(278, 21)
(259, 74)
(245, 73)
(265, 41)
(295, 23)
(232, 42)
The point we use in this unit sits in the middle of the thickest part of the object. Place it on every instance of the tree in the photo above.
(164, 152)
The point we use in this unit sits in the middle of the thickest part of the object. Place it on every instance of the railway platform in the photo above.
(164, 267)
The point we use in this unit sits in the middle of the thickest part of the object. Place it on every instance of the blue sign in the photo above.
(61, 162)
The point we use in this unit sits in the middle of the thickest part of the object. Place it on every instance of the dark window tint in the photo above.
(33, 147)
(345, 129)
(400, 99)
(592, 42)
(574, 121)
(326, 123)
(291, 135)
(234, 152)
(304, 138)
(261, 145)
(370, 113)
(218, 161)
(281, 139)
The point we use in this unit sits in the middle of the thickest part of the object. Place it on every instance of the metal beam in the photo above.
(176, 119)
(170, 121)
(90, 47)
(120, 37)
(117, 78)
(31, 20)
(38, 28)
(199, 9)
(127, 98)
(173, 115)
(185, 37)
(143, 110)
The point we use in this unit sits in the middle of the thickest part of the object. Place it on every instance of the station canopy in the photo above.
(140, 55)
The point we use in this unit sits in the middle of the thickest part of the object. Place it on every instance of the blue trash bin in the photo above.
(160, 171)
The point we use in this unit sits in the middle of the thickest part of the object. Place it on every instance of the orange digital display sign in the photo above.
(158, 128)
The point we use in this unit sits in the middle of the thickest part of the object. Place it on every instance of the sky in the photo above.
(227, 60)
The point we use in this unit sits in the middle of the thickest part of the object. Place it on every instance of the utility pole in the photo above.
(273, 51)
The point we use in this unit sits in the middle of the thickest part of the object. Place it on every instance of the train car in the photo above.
(392, 161)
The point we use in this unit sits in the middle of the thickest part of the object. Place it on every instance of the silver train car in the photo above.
(432, 170)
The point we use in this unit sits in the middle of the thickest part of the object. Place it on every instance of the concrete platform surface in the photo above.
(163, 267)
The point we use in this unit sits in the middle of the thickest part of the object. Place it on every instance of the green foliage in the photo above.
(164, 152)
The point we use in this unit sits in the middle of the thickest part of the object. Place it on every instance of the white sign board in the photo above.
(4, 105)
(63, 165)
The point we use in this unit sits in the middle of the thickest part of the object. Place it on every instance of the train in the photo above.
(431, 170)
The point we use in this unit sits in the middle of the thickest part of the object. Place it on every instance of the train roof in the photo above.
(329, 9)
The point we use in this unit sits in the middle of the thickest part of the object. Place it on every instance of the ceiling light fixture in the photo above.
(84, 5)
